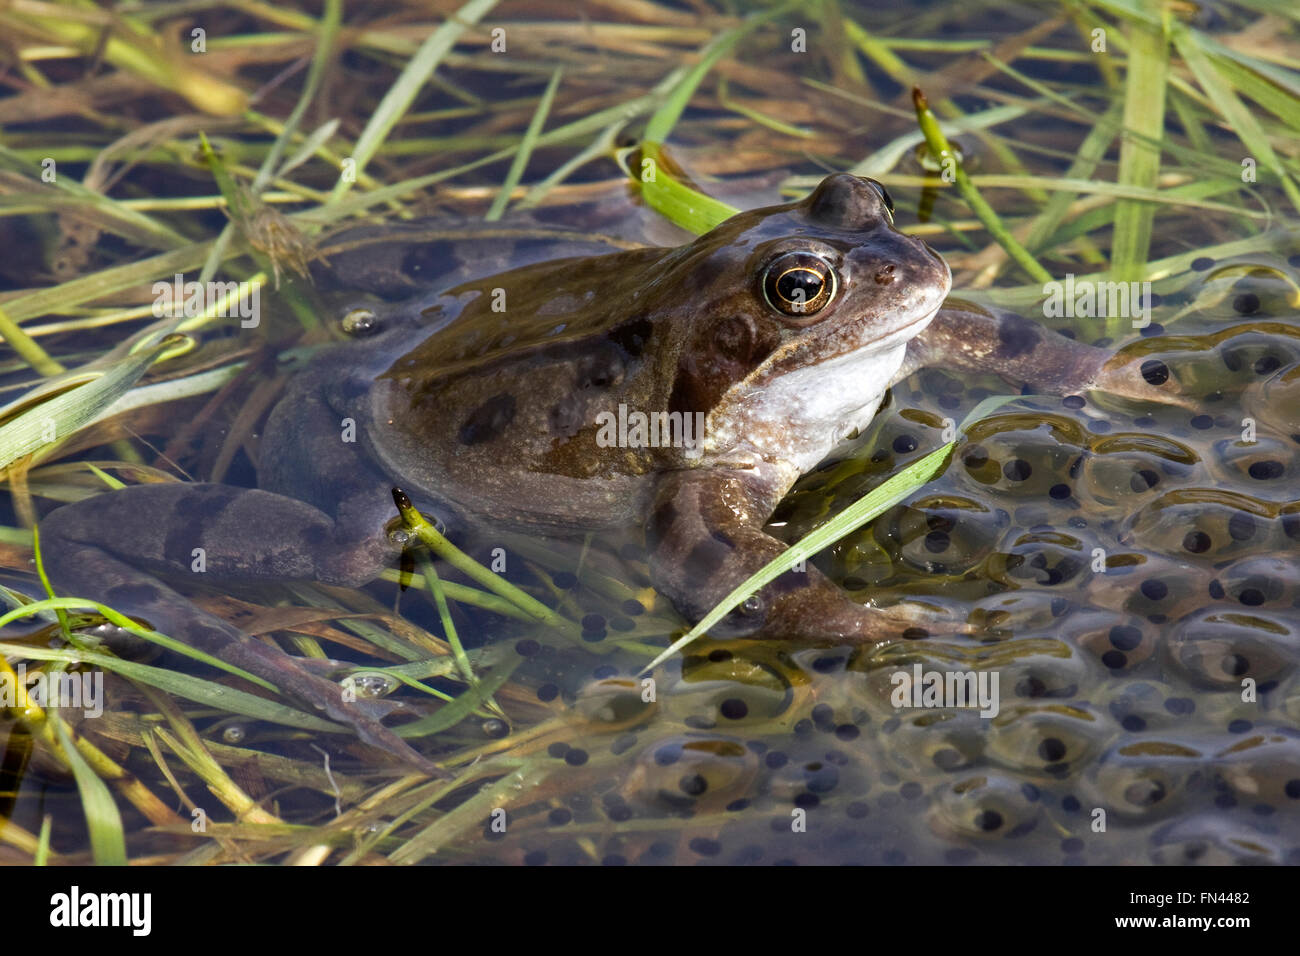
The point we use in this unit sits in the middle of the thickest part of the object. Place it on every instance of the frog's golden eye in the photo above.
(799, 284)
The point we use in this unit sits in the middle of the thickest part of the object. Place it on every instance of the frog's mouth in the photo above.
(837, 343)
(904, 333)
(894, 335)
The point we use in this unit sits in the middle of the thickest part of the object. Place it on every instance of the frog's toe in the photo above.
(1141, 380)
(914, 621)
(337, 701)
(365, 717)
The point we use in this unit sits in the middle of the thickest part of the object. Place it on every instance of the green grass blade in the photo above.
(1091, 152)
(323, 58)
(511, 790)
(526, 145)
(677, 202)
(26, 347)
(1264, 89)
(449, 715)
(1226, 101)
(314, 141)
(462, 562)
(42, 855)
(689, 208)
(43, 420)
(666, 117)
(403, 92)
(128, 222)
(107, 838)
(113, 483)
(1139, 157)
(449, 627)
(204, 692)
(888, 156)
(61, 604)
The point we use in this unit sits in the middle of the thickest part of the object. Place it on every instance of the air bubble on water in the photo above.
(234, 734)
(374, 684)
(359, 322)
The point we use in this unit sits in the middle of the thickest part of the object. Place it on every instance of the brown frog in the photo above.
(501, 402)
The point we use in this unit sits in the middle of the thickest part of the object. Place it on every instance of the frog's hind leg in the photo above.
(102, 549)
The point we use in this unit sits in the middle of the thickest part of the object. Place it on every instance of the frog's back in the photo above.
(495, 405)
(469, 385)
(407, 261)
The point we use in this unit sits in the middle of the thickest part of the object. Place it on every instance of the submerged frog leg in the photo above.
(967, 336)
(705, 536)
(100, 549)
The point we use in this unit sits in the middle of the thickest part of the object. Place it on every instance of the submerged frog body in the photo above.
(772, 338)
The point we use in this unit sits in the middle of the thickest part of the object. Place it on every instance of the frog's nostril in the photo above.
(885, 275)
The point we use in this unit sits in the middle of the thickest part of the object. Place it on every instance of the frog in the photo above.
(485, 399)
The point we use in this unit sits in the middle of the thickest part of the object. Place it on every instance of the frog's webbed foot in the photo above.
(1140, 379)
(913, 619)
(705, 537)
(967, 336)
(361, 714)
(85, 548)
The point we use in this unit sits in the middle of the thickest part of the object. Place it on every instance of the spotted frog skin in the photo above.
(781, 330)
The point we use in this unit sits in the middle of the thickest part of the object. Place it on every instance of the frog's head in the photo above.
(802, 309)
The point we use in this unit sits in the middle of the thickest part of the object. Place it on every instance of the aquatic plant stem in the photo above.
(947, 157)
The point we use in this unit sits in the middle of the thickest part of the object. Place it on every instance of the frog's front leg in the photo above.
(705, 536)
(110, 547)
(969, 337)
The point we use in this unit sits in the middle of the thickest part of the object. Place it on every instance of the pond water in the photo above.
(1132, 571)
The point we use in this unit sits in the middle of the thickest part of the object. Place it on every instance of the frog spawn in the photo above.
(1148, 701)
(882, 785)
(1197, 592)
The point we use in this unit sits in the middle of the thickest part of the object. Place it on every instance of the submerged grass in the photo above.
(1072, 159)
(1143, 143)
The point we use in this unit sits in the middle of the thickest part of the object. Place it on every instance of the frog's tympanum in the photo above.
(491, 403)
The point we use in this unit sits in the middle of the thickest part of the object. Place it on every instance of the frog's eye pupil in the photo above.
(799, 284)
